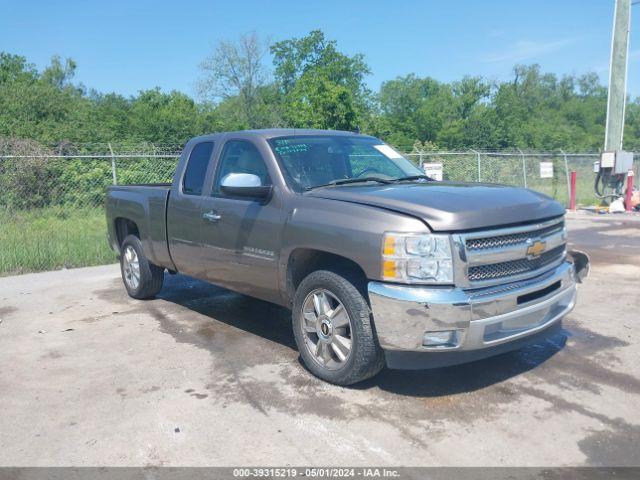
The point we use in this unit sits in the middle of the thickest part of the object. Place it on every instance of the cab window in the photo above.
(197, 164)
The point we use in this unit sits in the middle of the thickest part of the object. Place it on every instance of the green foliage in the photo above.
(538, 111)
(235, 72)
(47, 107)
(172, 117)
(533, 111)
(413, 108)
(320, 86)
(316, 102)
(316, 85)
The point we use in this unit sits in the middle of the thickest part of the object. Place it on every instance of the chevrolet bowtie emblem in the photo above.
(536, 248)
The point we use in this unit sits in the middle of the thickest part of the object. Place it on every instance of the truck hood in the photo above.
(449, 207)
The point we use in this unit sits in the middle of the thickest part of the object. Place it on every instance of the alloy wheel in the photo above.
(326, 328)
(131, 267)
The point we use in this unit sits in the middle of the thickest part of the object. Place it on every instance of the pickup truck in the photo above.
(378, 263)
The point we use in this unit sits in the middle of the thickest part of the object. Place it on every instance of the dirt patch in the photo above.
(51, 355)
(115, 293)
(399, 398)
(588, 341)
(604, 241)
(617, 446)
(589, 361)
(7, 311)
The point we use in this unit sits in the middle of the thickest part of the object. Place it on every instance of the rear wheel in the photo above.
(333, 329)
(141, 278)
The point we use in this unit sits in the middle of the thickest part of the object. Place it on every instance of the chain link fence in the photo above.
(51, 200)
(522, 169)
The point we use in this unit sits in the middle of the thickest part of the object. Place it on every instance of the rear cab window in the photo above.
(193, 179)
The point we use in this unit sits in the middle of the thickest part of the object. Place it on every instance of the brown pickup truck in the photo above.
(378, 263)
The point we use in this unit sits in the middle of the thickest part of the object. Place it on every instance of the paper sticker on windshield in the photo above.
(387, 151)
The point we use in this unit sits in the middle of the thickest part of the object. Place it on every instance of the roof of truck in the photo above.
(290, 132)
(282, 132)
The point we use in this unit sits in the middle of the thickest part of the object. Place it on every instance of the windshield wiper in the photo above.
(413, 177)
(347, 181)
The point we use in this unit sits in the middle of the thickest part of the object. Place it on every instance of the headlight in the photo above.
(416, 258)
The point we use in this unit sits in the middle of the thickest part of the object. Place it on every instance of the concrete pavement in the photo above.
(202, 376)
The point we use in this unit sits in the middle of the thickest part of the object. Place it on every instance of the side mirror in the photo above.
(244, 185)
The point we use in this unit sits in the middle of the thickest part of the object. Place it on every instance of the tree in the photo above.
(43, 106)
(58, 74)
(413, 109)
(14, 69)
(538, 111)
(235, 70)
(468, 93)
(316, 102)
(320, 86)
(166, 118)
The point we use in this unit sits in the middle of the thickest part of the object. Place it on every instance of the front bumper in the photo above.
(485, 320)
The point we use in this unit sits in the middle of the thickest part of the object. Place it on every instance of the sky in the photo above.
(127, 46)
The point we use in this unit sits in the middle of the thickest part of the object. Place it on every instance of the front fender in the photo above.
(349, 230)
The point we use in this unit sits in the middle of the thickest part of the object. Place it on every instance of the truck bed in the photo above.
(146, 206)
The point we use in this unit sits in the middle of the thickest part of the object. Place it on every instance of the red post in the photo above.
(572, 201)
(627, 200)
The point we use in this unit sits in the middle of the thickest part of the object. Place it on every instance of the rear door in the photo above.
(240, 235)
(185, 204)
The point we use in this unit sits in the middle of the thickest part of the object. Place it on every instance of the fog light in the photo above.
(445, 338)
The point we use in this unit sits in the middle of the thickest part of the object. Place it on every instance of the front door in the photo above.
(240, 235)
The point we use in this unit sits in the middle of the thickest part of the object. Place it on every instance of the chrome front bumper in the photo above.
(482, 318)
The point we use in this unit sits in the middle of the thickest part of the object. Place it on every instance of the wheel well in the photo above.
(125, 227)
(303, 261)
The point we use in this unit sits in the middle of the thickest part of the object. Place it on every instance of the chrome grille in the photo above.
(510, 239)
(514, 267)
(503, 255)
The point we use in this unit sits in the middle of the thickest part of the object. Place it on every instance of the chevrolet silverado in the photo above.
(378, 263)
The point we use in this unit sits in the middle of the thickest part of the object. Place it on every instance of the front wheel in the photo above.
(141, 278)
(333, 328)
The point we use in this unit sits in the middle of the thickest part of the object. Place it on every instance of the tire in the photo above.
(365, 358)
(149, 276)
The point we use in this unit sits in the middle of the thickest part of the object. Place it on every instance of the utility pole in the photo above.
(618, 77)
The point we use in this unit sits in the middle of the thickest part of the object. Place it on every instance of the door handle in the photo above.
(211, 216)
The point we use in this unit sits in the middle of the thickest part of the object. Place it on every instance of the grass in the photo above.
(52, 238)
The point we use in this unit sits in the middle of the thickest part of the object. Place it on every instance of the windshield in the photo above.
(310, 161)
